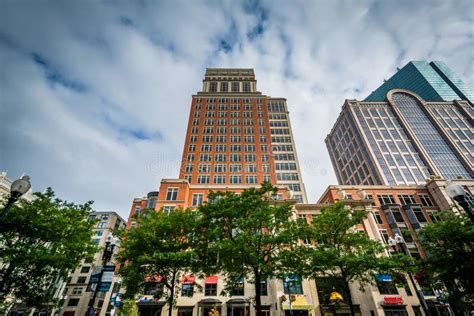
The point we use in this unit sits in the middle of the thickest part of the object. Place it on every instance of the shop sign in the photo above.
(393, 300)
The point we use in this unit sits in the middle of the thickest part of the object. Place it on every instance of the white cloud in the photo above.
(140, 63)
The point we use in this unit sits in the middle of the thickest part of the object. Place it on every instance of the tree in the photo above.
(450, 247)
(341, 252)
(243, 235)
(41, 241)
(159, 251)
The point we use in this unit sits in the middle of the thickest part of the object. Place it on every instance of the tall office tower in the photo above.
(237, 137)
(403, 140)
(432, 81)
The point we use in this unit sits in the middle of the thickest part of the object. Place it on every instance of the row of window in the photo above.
(219, 168)
(235, 86)
(232, 139)
(233, 130)
(405, 199)
(225, 114)
(225, 107)
(223, 121)
(232, 148)
(233, 179)
(226, 100)
(232, 158)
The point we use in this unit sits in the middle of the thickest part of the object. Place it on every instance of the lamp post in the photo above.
(17, 189)
(398, 245)
(106, 256)
(457, 193)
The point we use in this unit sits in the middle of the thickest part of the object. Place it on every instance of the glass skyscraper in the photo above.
(432, 81)
(402, 140)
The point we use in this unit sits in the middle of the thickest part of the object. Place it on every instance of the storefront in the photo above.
(238, 307)
(209, 307)
(150, 308)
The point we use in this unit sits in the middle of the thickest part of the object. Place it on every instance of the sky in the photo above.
(95, 95)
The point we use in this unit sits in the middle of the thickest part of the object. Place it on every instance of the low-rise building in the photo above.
(78, 292)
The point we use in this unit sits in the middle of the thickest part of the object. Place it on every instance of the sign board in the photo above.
(393, 300)
(384, 277)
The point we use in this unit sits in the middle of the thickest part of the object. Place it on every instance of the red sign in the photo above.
(393, 300)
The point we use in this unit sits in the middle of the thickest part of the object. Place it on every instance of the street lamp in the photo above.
(457, 193)
(398, 244)
(110, 244)
(17, 189)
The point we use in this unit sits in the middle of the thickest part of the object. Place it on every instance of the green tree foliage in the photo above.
(40, 243)
(243, 235)
(160, 249)
(129, 308)
(450, 263)
(341, 252)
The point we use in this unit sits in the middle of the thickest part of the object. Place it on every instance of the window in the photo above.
(221, 148)
(378, 218)
(224, 86)
(85, 269)
(425, 200)
(235, 168)
(197, 199)
(96, 241)
(219, 179)
(220, 157)
(292, 285)
(235, 148)
(188, 178)
(434, 216)
(238, 289)
(384, 235)
(190, 157)
(221, 139)
(168, 209)
(203, 179)
(189, 168)
(249, 139)
(172, 194)
(266, 168)
(246, 86)
(235, 157)
(248, 130)
(204, 168)
(99, 233)
(193, 139)
(81, 279)
(251, 168)
(192, 147)
(235, 139)
(188, 291)
(250, 157)
(235, 86)
(212, 86)
(263, 288)
(397, 214)
(235, 179)
(251, 179)
(207, 130)
(77, 290)
(407, 199)
(210, 290)
(386, 287)
(420, 216)
(386, 199)
(269, 179)
(285, 166)
(73, 302)
(220, 168)
(235, 130)
(249, 148)
(205, 157)
(207, 139)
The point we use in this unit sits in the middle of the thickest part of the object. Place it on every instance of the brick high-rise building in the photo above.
(402, 140)
(236, 138)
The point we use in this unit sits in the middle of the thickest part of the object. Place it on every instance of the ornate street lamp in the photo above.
(457, 193)
(110, 244)
(17, 189)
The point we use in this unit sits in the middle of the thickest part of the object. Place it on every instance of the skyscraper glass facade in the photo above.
(431, 81)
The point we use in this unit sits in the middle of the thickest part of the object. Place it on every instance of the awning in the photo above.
(300, 303)
(188, 279)
(212, 279)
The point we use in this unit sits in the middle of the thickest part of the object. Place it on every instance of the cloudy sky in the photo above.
(94, 96)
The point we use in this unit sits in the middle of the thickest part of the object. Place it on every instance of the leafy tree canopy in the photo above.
(41, 241)
(450, 247)
(243, 235)
(160, 249)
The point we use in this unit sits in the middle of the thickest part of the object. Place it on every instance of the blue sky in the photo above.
(95, 95)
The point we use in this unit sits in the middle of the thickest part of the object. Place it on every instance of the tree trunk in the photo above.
(258, 286)
(349, 298)
(171, 299)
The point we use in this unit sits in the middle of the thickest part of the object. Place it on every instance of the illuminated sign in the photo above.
(393, 300)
